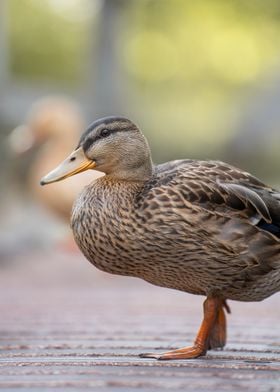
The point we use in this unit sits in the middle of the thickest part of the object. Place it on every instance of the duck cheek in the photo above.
(107, 164)
(102, 166)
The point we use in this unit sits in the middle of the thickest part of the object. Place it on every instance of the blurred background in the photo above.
(202, 80)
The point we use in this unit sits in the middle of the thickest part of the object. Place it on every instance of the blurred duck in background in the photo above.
(53, 127)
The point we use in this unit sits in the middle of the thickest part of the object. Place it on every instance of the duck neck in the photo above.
(139, 174)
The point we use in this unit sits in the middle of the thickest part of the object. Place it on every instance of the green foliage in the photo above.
(45, 42)
(189, 64)
(193, 42)
(195, 59)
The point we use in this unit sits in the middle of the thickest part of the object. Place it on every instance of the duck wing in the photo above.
(222, 189)
(230, 210)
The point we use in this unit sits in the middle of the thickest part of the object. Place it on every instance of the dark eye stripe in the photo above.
(87, 143)
(103, 128)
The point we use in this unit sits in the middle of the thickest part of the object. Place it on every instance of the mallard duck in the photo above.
(202, 227)
(53, 125)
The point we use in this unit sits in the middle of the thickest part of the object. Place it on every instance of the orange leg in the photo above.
(211, 334)
(218, 335)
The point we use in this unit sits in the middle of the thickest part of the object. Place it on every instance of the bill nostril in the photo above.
(72, 159)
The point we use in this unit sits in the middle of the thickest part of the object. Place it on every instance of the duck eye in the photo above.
(105, 132)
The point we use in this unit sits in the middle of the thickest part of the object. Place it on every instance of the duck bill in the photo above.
(75, 163)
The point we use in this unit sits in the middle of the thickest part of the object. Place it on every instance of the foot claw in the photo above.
(183, 353)
(150, 355)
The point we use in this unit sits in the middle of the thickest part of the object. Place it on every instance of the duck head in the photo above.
(112, 145)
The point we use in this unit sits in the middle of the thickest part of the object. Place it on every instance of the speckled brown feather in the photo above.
(193, 226)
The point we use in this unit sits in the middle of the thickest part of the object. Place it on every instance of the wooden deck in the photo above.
(66, 326)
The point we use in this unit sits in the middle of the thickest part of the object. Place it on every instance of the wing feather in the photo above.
(249, 197)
